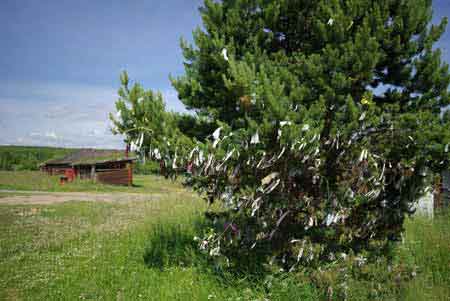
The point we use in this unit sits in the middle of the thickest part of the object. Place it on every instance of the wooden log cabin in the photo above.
(103, 166)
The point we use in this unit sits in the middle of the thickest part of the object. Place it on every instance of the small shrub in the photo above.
(147, 168)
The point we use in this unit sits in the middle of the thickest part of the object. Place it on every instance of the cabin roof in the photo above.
(90, 157)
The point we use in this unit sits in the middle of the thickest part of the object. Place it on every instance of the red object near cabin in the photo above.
(190, 166)
(70, 174)
(63, 180)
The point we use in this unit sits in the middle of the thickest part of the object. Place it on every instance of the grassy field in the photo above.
(427, 245)
(144, 250)
(38, 181)
(103, 251)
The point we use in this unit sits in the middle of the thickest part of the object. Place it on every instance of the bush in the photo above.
(149, 168)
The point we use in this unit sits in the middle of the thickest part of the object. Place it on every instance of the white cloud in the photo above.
(51, 135)
(60, 114)
(56, 114)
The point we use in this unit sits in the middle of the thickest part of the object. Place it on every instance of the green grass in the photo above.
(136, 250)
(38, 181)
(420, 267)
(115, 251)
(427, 245)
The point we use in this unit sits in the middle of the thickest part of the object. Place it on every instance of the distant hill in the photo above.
(29, 157)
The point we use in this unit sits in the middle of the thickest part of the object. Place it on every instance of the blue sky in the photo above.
(60, 61)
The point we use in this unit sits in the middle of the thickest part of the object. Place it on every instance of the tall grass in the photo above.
(145, 251)
(123, 251)
(427, 246)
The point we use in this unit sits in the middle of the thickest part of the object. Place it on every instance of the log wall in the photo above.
(114, 177)
(53, 171)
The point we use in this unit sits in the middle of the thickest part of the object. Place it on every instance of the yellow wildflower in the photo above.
(366, 101)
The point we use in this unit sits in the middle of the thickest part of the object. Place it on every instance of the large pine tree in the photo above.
(331, 120)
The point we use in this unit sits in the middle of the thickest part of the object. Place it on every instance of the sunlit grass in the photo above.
(427, 245)
(116, 251)
(134, 250)
(85, 250)
(38, 181)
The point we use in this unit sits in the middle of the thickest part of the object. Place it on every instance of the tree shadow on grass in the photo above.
(171, 245)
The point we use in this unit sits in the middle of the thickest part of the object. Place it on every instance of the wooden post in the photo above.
(437, 192)
(445, 188)
(93, 172)
(130, 173)
(127, 150)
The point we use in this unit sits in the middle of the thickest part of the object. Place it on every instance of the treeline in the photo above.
(28, 157)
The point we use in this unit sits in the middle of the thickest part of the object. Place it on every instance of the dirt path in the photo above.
(45, 198)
